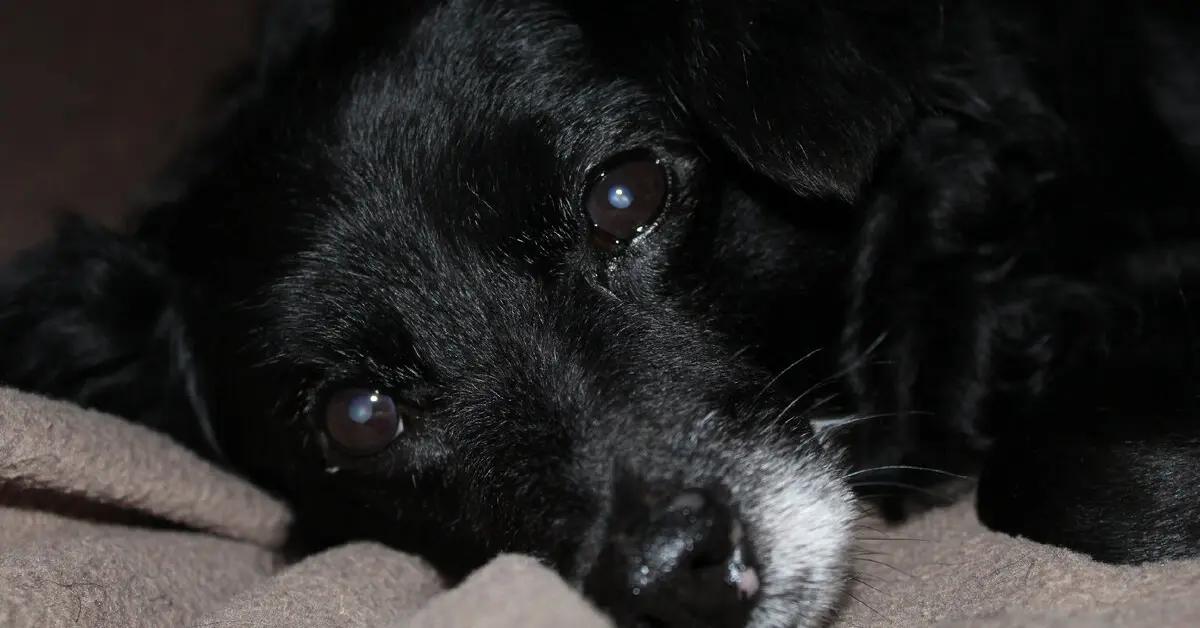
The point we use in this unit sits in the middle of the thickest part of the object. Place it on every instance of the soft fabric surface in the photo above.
(105, 523)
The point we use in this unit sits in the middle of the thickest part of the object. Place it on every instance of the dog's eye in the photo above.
(628, 196)
(363, 422)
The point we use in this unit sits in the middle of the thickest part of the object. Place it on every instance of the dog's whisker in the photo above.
(871, 608)
(866, 576)
(907, 487)
(789, 421)
(883, 564)
(801, 396)
(892, 538)
(861, 360)
(789, 406)
(859, 580)
(902, 467)
(862, 552)
(820, 384)
(789, 367)
(829, 424)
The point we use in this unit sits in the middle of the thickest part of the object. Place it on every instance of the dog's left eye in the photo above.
(363, 422)
(628, 196)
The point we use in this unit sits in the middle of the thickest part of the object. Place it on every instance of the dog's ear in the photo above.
(90, 317)
(806, 93)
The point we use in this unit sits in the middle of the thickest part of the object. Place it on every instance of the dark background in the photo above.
(94, 95)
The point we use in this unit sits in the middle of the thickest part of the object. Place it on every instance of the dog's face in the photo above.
(469, 286)
(574, 278)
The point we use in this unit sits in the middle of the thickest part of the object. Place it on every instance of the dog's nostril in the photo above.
(676, 562)
(696, 527)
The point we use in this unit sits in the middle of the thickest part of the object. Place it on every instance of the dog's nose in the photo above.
(673, 562)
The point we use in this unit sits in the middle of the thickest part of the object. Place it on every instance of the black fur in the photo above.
(975, 218)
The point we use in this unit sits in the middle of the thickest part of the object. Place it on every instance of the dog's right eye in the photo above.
(363, 422)
(627, 196)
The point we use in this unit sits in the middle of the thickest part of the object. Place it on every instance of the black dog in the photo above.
(577, 278)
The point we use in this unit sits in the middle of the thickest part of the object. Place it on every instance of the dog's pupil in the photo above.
(363, 407)
(620, 196)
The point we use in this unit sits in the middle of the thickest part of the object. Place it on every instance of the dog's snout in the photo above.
(676, 560)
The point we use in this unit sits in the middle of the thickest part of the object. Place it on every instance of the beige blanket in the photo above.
(83, 495)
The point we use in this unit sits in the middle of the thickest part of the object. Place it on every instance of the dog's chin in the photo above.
(799, 514)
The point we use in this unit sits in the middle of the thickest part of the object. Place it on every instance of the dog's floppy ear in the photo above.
(807, 93)
(91, 317)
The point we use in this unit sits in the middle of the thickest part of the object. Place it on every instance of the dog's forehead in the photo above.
(456, 164)
(483, 115)
(469, 81)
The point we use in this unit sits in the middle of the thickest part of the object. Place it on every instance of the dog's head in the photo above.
(477, 277)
